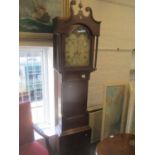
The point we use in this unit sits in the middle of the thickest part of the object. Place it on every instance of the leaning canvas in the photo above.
(114, 110)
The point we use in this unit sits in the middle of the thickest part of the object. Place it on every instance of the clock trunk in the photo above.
(71, 99)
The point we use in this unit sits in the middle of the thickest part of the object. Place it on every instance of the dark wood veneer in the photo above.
(71, 84)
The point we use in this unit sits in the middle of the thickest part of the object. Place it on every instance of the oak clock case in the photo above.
(75, 42)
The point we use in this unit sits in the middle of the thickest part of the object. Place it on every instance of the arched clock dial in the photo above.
(77, 47)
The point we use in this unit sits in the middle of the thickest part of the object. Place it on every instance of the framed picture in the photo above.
(115, 107)
(35, 17)
(130, 127)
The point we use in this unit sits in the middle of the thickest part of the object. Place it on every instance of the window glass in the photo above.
(34, 83)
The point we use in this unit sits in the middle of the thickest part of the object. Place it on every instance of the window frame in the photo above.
(47, 64)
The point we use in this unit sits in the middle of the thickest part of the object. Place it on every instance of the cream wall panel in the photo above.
(111, 67)
(117, 28)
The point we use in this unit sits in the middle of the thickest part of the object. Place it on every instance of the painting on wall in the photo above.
(35, 16)
(114, 110)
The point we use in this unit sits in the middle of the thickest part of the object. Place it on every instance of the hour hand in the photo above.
(76, 54)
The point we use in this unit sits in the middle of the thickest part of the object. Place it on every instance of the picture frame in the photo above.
(130, 127)
(114, 115)
(35, 18)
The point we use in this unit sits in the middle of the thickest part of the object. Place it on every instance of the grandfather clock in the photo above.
(75, 42)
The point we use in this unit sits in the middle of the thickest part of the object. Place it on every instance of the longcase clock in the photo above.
(75, 42)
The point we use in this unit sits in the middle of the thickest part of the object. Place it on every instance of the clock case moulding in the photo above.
(63, 26)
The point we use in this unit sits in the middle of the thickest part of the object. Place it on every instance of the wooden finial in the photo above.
(80, 5)
(73, 2)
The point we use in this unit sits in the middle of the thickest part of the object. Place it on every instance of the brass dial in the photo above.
(77, 47)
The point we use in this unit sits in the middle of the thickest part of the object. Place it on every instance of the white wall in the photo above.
(117, 31)
(111, 67)
(118, 23)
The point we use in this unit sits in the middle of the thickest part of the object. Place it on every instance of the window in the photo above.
(36, 83)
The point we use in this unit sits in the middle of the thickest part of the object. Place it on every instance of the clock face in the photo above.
(77, 47)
